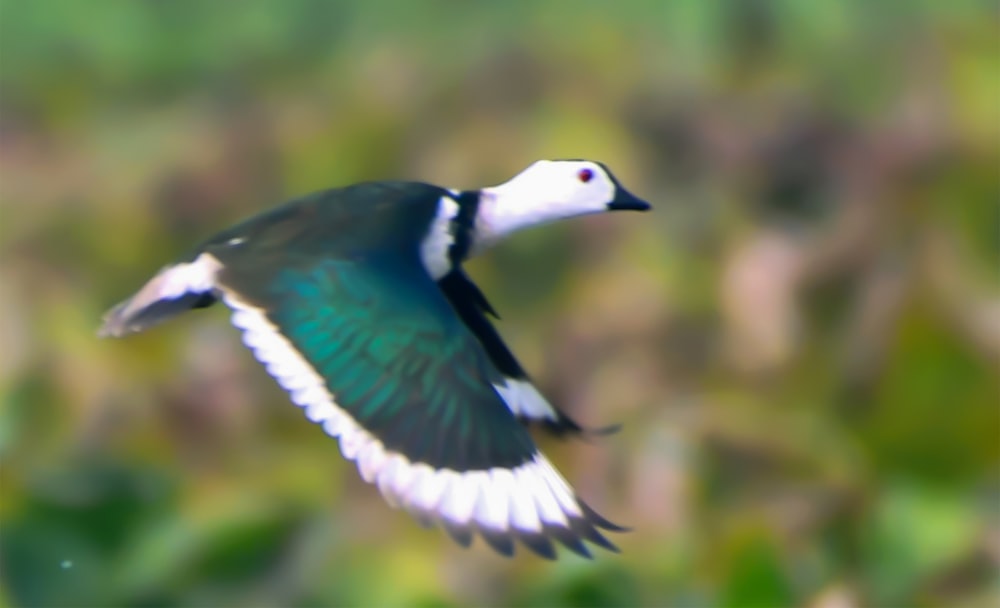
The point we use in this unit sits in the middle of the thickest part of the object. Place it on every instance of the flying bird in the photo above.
(355, 301)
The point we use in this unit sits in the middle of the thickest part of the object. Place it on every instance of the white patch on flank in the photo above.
(523, 399)
(496, 499)
(437, 241)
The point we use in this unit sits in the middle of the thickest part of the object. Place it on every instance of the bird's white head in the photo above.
(549, 190)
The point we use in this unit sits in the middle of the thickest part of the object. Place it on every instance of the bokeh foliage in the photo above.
(801, 341)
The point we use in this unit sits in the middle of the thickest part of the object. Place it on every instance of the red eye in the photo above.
(585, 175)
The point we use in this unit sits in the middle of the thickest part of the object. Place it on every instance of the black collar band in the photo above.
(463, 225)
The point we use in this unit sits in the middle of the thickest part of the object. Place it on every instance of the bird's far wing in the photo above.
(175, 289)
(371, 349)
(519, 393)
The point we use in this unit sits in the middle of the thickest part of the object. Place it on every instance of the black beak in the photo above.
(625, 201)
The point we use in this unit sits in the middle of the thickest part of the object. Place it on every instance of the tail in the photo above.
(173, 290)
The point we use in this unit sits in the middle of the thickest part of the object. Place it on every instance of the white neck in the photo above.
(544, 192)
(507, 208)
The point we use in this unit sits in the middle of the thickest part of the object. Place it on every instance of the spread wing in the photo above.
(372, 350)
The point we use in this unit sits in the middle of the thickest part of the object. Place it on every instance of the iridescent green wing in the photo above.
(393, 356)
(373, 351)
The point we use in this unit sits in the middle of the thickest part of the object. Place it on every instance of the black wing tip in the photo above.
(539, 543)
(572, 537)
(599, 521)
(458, 533)
(570, 540)
(423, 519)
(565, 427)
(500, 542)
(603, 431)
(579, 529)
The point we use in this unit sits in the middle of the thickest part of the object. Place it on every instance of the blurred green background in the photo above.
(801, 341)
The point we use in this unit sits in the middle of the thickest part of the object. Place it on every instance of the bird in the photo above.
(356, 302)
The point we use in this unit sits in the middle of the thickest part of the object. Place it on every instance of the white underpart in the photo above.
(439, 239)
(496, 499)
(544, 192)
(523, 399)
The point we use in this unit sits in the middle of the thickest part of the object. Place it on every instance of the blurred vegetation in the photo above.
(801, 341)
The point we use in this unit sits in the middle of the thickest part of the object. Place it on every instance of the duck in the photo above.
(356, 302)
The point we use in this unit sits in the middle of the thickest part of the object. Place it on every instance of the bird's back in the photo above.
(346, 224)
(341, 222)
